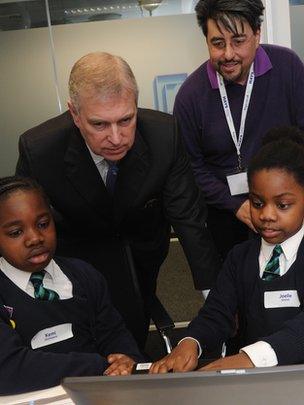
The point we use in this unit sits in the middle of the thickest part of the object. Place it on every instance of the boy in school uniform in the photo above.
(262, 279)
(56, 317)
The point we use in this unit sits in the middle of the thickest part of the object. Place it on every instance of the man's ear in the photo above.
(257, 38)
(74, 113)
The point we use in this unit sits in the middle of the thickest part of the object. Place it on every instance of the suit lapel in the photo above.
(132, 174)
(83, 174)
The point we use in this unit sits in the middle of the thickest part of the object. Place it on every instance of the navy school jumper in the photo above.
(240, 290)
(98, 330)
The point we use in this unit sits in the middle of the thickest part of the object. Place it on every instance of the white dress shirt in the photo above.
(101, 164)
(54, 279)
(261, 353)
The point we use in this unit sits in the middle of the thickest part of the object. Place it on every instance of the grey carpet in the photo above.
(176, 292)
(175, 286)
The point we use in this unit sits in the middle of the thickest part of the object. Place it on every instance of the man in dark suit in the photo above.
(118, 176)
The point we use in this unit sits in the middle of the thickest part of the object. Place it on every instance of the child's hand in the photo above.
(240, 360)
(182, 358)
(120, 364)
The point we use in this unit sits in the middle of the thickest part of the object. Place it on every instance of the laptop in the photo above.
(276, 385)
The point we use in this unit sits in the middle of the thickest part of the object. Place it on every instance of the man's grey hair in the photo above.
(100, 74)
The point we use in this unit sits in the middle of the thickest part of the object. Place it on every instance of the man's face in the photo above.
(107, 125)
(231, 55)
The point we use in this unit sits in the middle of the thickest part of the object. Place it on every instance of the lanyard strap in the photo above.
(225, 102)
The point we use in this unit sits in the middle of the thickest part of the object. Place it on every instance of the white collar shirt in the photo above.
(101, 164)
(54, 279)
(287, 258)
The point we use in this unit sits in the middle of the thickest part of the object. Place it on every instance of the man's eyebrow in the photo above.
(128, 115)
(213, 39)
(240, 35)
(96, 119)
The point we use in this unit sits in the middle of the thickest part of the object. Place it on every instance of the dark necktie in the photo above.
(111, 176)
(272, 269)
(40, 292)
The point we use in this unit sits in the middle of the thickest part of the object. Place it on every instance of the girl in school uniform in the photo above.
(262, 279)
(56, 317)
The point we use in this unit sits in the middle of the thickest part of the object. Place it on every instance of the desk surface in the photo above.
(55, 396)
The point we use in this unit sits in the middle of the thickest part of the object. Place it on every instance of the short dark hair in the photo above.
(228, 12)
(11, 184)
(283, 149)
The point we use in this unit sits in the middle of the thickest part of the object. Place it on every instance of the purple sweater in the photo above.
(277, 99)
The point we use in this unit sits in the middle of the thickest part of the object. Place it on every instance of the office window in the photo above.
(26, 14)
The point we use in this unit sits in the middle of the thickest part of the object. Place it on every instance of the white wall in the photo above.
(152, 46)
(297, 29)
(276, 27)
(27, 92)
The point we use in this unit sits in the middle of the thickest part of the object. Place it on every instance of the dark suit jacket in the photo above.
(155, 188)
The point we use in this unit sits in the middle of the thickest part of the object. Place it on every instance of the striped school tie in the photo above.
(40, 292)
(272, 269)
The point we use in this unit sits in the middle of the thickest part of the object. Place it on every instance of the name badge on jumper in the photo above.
(238, 183)
(52, 335)
(281, 299)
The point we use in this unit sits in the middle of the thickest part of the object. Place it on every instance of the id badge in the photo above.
(238, 183)
(281, 299)
(55, 334)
